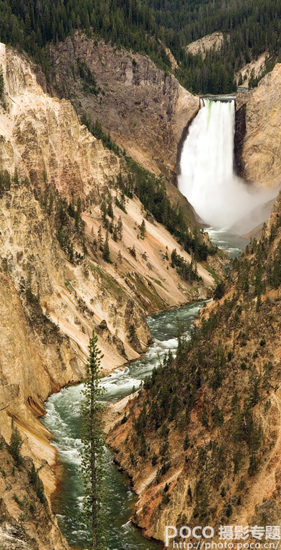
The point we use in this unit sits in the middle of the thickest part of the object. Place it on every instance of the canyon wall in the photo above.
(258, 120)
(143, 109)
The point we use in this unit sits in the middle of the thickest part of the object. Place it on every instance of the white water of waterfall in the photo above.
(219, 197)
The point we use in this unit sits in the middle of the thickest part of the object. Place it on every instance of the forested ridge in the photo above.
(31, 25)
(144, 25)
(250, 28)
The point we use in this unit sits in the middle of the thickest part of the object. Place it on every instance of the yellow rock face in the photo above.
(261, 152)
(42, 136)
(205, 44)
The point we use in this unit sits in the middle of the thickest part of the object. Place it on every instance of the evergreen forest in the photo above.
(147, 26)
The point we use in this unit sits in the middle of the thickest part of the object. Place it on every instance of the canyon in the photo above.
(202, 445)
(56, 287)
(206, 463)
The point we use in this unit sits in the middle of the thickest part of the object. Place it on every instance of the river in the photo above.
(64, 421)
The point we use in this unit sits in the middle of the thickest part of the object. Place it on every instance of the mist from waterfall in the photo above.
(220, 198)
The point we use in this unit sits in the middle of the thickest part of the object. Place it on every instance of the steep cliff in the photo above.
(202, 439)
(144, 109)
(258, 145)
(62, 202)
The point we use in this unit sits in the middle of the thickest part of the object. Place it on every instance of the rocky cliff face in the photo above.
(43, 138)
(55, 286)
(211, 41)
(258, 144)
(27, 521)
(142, 108)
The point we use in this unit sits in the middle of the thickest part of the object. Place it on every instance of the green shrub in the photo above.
(37, 484)
(15, 446)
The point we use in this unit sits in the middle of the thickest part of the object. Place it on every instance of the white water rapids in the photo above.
(220, 198)
(63, 419)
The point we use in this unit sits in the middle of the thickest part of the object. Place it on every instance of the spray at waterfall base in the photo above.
(228, 537)
(208, 180)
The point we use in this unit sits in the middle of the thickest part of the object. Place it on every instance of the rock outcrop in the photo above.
(259, 145)
(251, 70)
(26, 520)
(143, 109)
(43, 138)
(212, 41)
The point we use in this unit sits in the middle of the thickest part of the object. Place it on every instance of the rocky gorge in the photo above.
(202, 444)
(55, 285)
(190, 470)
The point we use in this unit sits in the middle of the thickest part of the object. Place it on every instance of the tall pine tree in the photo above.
(93, 448)
(2, 84)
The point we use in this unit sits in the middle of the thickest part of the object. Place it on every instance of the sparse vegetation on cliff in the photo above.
(186, 270)
(151, 191)
(215, 405)
(96, 129)
(259, 269)
(90, 85)
(23, 488)
(67, 222)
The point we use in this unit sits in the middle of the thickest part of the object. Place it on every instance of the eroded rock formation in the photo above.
(259, 144)
(144, 109)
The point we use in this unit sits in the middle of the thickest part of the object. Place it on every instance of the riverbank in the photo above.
(63, 420)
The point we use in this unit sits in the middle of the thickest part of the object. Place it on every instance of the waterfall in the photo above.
(220, 198)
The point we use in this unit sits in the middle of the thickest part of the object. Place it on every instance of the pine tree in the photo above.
(119, 229)
(78, 214)
(110, 208)
(100, 239)
(93, 448)
(1, 84)
(104, 213)
(15, 445)
(106, 251)
(142, 229)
